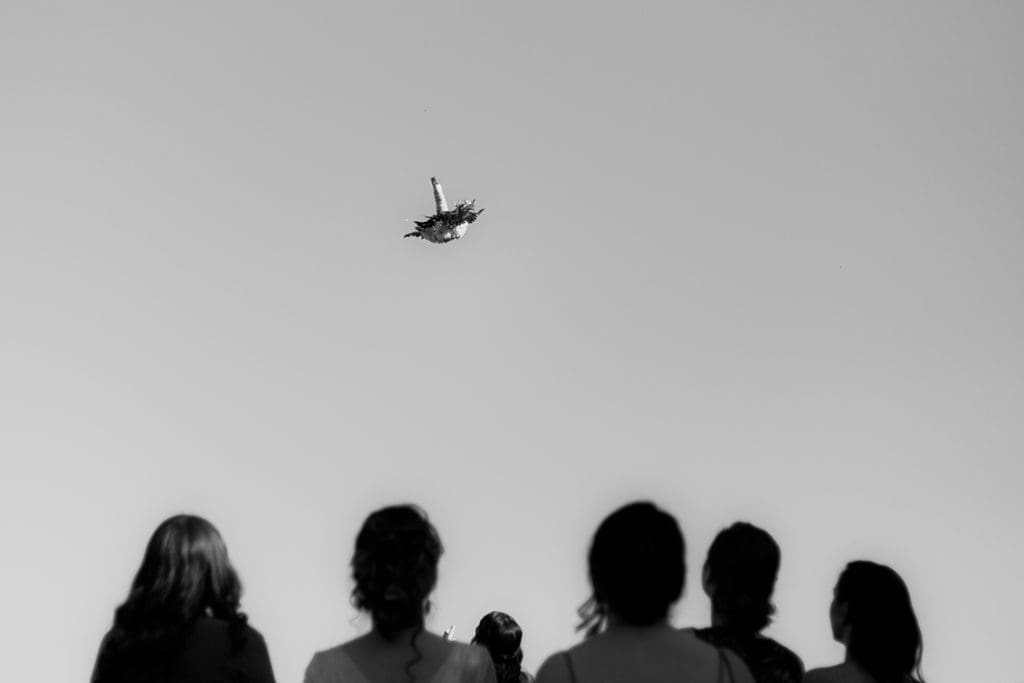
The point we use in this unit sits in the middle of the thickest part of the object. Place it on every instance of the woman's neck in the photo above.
(402, 636)
(617, 624)
(719, 622)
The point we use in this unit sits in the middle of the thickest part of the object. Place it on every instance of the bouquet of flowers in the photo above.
(446, 224)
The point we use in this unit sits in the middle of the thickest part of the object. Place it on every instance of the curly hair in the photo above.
(395, 569)
(502, 636)
(742, 564)
(637, 567)
(185, 573)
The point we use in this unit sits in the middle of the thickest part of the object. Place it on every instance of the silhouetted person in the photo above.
(871, 614)
(181, 621)
(395, 569)
(739, 577)
(637, 572)
(503, 638)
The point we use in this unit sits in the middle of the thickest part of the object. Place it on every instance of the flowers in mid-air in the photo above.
(446, 224)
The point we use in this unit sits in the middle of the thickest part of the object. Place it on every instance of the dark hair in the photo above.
(637, 567)
(884, 637)
(185, 573)
(395, 569)
(502, 637)
(742, 563)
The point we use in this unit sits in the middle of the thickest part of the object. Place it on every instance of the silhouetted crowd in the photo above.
(181, 621)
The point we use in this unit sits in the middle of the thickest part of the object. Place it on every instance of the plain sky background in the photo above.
(750, 260)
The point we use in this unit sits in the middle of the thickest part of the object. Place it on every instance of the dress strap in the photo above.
(722, 659)
(570, 667)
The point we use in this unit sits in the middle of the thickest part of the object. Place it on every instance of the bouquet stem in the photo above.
(439, 201)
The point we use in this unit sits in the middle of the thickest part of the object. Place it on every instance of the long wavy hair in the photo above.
(742, 565)
(884, 636)
(637, 568)
(503, 637)
(395, 570)
(185, 574)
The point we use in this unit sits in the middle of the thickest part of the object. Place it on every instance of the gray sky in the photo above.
(747, 261)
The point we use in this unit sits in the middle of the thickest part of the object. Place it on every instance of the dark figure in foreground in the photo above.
(446, 224)
(503, 638)
(871, 614)
(739, 577)
(637, 571)
(181, 621)
(395, 569)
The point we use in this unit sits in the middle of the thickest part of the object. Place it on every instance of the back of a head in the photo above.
(395, 567)
(185, 571)
(184, 574)
(637, 567)
(884, 637)
(502, 637)
(742, 565)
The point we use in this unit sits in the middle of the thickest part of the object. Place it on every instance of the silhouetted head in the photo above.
(739, 577)
(871, 613)
(637, 567)
(395, 567)
(185, 573)
(502, 637)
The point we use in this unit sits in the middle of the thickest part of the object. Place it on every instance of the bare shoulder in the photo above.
(323, 663)
(469, 653)
(474, 661)
(825, 674)
(555, 669)
(740, 672)
(714, 657)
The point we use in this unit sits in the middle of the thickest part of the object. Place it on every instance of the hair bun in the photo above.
(395, 567)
